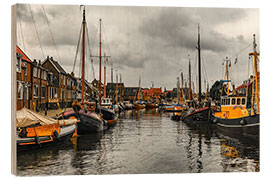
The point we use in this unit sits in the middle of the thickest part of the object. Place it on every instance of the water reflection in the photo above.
(146, 141)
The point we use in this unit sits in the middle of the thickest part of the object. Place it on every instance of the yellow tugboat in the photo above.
(234, 115)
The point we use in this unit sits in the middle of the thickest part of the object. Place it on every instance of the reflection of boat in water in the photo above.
(86, 142)
(238, 157)
(36, 131)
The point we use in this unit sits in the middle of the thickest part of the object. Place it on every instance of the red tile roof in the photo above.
(156, 91)
(24, 56)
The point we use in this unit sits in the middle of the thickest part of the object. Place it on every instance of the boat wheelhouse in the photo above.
(232, 107)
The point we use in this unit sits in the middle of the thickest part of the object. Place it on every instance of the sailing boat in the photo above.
(234, 115)
(138, 105)
(200, 114)
(107, 114)
(89, 120)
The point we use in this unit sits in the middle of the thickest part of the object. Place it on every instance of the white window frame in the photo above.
(26, 92)
(42, 92)
(20, 90)
(18, 65)
(35, 71)
(35, 95)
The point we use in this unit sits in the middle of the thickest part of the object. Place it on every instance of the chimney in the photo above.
(35, 62)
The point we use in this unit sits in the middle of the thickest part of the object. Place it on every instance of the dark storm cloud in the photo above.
(178, 27)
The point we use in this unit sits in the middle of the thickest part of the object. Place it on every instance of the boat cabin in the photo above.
(232, 107)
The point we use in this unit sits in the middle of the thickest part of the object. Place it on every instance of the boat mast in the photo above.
(189, 77)
(116, 87)
(100, 58)
(182, 90)
(178, 89)
(227, 75)
(83, 56)
(255, 77)
(199, 63)
(105, 62)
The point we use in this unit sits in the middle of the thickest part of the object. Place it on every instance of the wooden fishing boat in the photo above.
(35, 130)
(199, 115)
(86, 112)
(108, 115)
(202, 114)
(138, 106)
(89, 121)
(43, 136)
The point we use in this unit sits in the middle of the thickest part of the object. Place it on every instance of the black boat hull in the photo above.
(87, 124)
(109, 116)
(249, 125)
(198, 116)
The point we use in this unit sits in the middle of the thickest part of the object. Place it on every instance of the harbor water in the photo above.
(145, 142)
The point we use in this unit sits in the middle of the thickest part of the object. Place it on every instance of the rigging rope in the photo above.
(36, 30)
(21, 31)
(241, 51)
(48, 23)
(90, 56)
(78, 46)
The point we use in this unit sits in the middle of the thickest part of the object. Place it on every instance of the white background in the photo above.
(5, 88)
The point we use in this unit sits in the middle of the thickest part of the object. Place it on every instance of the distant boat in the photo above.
(151, 105)
(137, 105)
(36, 131)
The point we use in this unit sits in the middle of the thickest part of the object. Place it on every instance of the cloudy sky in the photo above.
(151, 42)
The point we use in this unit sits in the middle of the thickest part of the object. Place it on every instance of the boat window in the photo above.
(222, 101)
(238, 101)
(233, 101)
(243, 101)
(228, 101)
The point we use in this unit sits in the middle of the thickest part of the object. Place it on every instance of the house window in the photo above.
(39, 73)
(26, 96)
(43, 91)
(35, 72)
(25, 71)
(20, 90)
(18, 65)
(35, 91)
(45, 75)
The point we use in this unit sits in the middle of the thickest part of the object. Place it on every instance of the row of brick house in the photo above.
(46, 85)
(43, 85)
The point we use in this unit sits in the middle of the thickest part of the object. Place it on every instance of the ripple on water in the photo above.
(144, 142)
